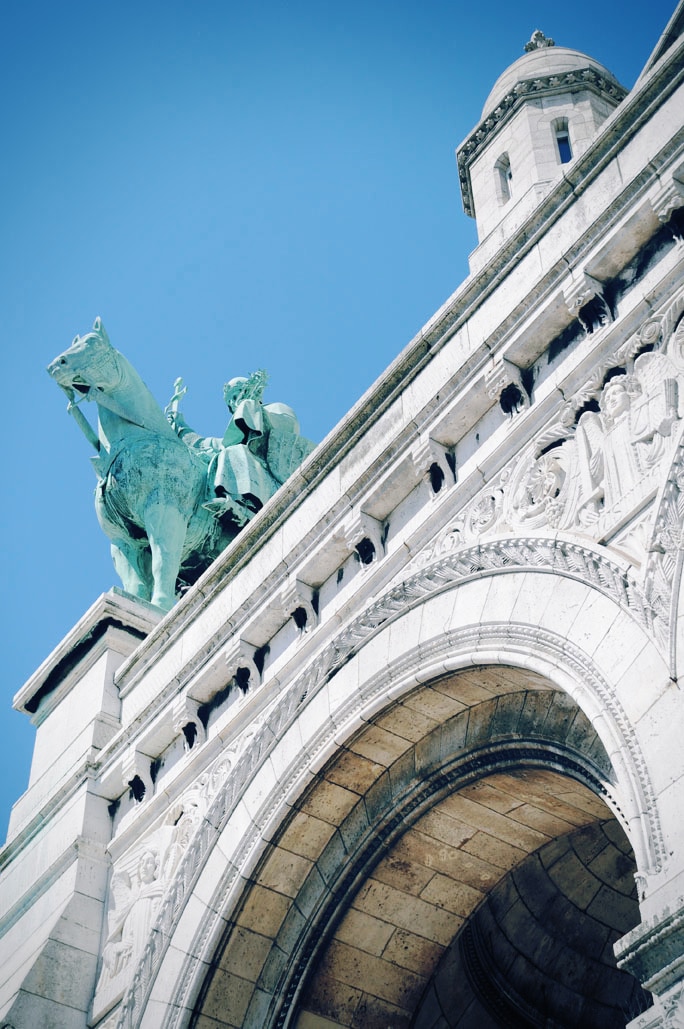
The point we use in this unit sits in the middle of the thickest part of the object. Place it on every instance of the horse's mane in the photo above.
(126, 388)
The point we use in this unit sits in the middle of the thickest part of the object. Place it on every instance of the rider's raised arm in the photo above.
(206, 446)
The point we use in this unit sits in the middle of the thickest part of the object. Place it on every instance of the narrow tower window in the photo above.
(562, 133)
(504, 178)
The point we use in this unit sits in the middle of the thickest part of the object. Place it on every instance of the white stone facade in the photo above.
(442, 664)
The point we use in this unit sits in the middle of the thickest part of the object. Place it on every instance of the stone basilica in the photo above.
(410, 752)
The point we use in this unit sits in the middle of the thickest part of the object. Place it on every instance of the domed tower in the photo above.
(541, 114)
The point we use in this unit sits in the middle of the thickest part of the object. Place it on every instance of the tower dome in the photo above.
(541, 113)
(539, 63)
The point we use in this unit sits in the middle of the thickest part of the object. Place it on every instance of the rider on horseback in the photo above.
(258, 451)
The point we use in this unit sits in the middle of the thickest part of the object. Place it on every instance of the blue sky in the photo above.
(230, 186)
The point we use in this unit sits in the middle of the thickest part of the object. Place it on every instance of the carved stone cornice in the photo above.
(426, 451)
(240, 657)
(581, 293)
(297, 597)
(544, 85)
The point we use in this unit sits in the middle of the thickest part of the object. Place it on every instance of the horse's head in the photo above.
(89, 363)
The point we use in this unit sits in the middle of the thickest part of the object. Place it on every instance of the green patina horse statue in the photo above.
(155, 497)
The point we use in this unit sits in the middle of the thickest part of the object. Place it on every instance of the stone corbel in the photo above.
(668, 199)
(365, 536)
(585, 301)
(504, 382)
(241, 664)
(300, 602)
(184, 715)
(136, 773)
(427, 453)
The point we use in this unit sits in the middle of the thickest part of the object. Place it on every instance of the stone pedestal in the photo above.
(54, 868)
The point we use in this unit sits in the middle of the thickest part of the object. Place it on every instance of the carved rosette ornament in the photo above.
(539, 494)
(483, 514)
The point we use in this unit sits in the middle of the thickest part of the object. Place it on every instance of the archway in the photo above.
(453, 928)
(396, 863)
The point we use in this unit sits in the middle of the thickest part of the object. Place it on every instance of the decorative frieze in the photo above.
(142, 875)
(604, 457)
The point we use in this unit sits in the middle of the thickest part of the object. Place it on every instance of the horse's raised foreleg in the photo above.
(166, 528)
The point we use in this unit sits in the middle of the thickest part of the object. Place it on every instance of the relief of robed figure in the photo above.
(169, 499)
(620, 445)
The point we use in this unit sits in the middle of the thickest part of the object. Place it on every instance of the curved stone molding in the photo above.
(447, 563)
(653, 950)
(504, 642)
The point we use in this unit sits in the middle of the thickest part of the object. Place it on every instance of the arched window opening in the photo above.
(562, 133)
(504, 178)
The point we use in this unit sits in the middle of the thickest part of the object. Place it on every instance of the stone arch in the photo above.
(526, 620)
(401, 803)
(535, 948)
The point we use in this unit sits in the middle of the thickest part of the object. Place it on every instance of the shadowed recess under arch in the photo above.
(478, 771)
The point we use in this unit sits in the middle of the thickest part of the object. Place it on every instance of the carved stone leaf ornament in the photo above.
(538, 41)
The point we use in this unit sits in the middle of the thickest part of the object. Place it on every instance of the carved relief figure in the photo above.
(596, 474)
(543, 490)
(132, 913)
(138, 884)
(620, 445)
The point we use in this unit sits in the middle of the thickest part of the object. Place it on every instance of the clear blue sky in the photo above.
(230, 186)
